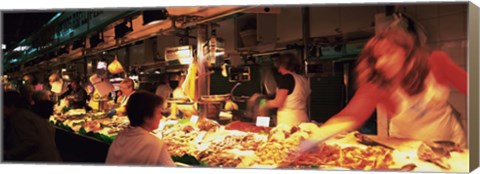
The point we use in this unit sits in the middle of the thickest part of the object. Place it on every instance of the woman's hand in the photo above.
(308, 145)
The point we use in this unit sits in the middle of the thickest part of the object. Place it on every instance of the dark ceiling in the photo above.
(18, 26)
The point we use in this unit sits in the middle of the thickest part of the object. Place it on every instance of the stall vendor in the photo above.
(77, 97)
(408, 85)
(164, 90)
(127, 88)
(292, 92)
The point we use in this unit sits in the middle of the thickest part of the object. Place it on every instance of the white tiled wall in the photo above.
(289, 24)
(227, 32)
(445, 24)
(446, 27)
(356, 18)
(324, 20)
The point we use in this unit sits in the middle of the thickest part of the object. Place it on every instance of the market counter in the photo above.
(243, 145)
(406, 152)
(75, 148)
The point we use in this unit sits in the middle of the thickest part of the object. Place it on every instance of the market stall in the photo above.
(244, 145)
(216, 50)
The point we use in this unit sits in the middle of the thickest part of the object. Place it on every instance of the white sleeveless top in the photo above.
(125, 99)
(294, 110)
(426, 116)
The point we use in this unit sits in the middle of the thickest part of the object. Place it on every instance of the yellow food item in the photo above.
(230, 106)
(115, 67)
(190, 84)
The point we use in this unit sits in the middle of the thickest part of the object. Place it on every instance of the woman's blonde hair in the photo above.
(416, 60)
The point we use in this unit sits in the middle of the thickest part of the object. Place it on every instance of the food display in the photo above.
(180, 139)
(245, 127)
(93, 124)
(244, 145)
(371, 158)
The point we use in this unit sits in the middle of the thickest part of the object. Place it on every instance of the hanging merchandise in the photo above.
(102, 86)
(57, 84)
(189, 86)
(115, 67)
(224, 70)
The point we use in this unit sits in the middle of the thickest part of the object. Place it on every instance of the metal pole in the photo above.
(201, 60)
(305, 37)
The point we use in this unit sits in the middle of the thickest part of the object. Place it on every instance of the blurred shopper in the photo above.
(77, 97)
(42, 106)
(27, 136)
(136, 145)
(26, 91)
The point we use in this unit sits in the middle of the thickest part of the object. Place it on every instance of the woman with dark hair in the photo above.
(136, 145)
(292, 92)
(407, 84)
(26, 91)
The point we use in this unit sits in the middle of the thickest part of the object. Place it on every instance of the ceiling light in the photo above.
(63, 50)
(154, 16)
(122, 29)
(14, 60)
(78, 43)
(21, 48)
(4, 46)
(96, 39)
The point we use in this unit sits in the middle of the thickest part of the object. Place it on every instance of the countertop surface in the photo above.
(406, 153)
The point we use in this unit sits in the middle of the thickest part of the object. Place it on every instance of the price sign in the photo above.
(171, 122)
(263, 121)
(162, 125)
(194, 119)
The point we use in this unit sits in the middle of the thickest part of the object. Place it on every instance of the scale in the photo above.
(239, 74)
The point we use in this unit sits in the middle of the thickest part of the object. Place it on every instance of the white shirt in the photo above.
(164, 91)
(125, 99)
(294, 111)
(137, 146)
(425, 116)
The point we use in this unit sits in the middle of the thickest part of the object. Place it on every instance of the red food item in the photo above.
(246, 127)
(93, 126)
